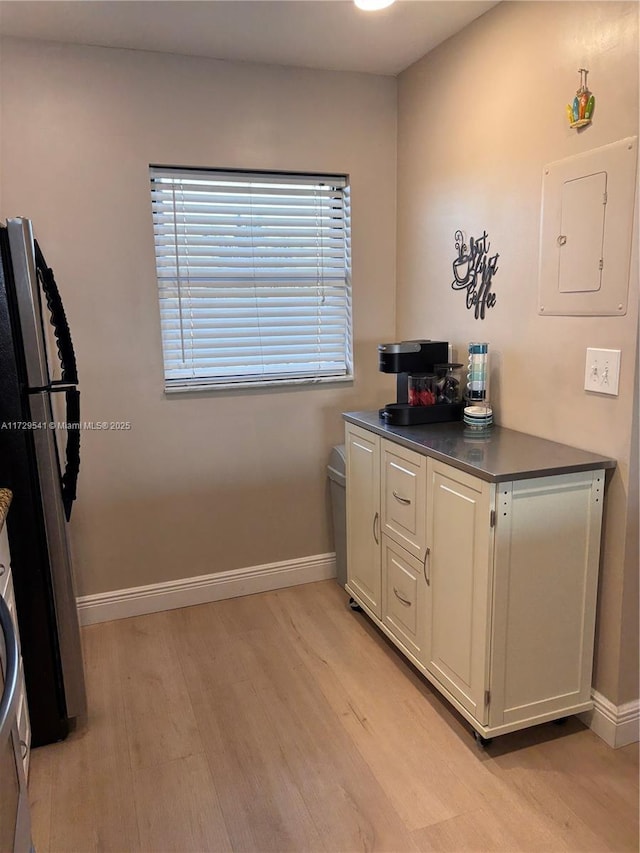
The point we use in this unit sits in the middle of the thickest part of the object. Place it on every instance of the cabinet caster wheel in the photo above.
(560, 721)
(353, 604)
(482, 741)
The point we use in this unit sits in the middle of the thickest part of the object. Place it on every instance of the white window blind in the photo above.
(253, 276)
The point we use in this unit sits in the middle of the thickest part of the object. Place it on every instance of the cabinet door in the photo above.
(458, 565)
(403, 596)
(404, 487)
(545, 587)
(363, 518)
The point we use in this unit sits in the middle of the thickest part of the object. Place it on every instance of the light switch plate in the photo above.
(602, 371)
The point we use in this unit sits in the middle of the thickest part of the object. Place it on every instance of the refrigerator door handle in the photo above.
(72, 463)
(69, 479)
(58, 318)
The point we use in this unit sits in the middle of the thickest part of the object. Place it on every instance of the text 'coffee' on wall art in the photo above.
(473, 271)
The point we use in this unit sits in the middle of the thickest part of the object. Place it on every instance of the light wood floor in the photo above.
(285, 722)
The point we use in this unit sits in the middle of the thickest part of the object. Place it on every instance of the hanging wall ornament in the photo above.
(473, 271)
(580, 111)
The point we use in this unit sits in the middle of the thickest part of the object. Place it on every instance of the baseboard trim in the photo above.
(617, 725)
(139, 600)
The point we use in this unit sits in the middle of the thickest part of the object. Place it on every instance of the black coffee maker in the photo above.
(409, 359)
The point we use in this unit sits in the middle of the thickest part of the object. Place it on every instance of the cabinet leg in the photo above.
(482, 741)
(353, 604)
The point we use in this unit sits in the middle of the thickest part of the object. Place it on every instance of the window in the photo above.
(254, 277)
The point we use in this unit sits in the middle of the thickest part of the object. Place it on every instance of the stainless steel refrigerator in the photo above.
(39, 462)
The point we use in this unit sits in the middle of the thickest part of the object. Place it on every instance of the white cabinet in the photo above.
(403, 491)
(403, 597)
(386, 532)
(489, 588)
(545, 579)
(364, 578)
(6, 590)
(457, 642)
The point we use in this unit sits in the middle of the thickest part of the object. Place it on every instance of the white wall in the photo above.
(216, 481)
(478, 118)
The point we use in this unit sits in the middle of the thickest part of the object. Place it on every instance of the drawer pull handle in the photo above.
(24, 748)
(375, 527)
(400, 499)
(427, 574)
(401, 599)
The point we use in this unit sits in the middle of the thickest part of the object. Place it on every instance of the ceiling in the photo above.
(329, 34)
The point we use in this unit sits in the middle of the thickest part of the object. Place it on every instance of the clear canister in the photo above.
(422, 389)
(448, 383)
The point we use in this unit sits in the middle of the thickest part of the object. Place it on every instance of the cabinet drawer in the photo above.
(404, 489)
(403, 601)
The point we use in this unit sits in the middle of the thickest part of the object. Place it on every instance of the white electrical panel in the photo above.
(582, 229)
(586, 231)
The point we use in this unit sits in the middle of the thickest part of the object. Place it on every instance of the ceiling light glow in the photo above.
(373, 5)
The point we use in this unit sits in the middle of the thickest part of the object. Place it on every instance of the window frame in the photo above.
(333, 185)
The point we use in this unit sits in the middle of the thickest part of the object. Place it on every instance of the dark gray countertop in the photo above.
(499, 454)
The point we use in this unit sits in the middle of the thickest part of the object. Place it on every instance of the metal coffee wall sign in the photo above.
(473, 271)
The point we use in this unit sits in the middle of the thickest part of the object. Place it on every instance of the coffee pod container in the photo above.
(477, 373)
